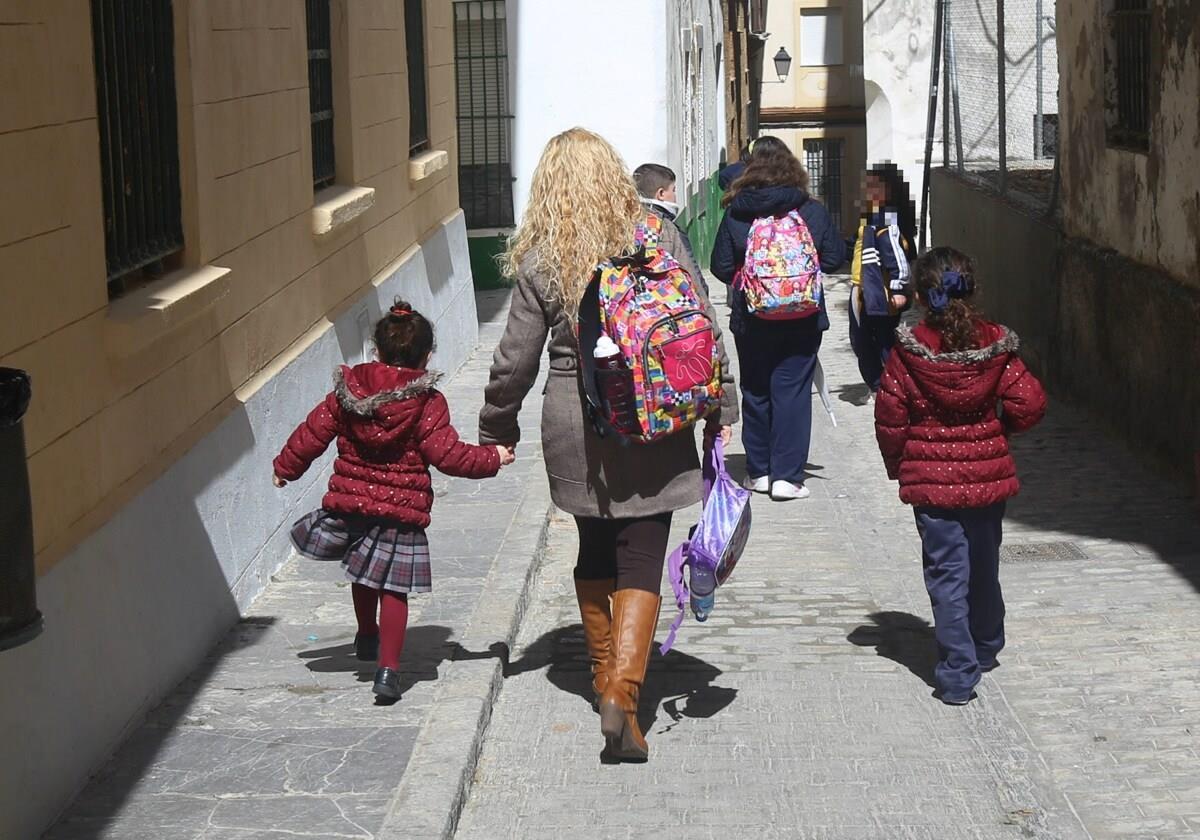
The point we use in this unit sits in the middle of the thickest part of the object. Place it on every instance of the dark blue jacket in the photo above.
(729, 250)
(730, 174)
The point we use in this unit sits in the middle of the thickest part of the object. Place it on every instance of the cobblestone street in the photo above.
(803, 708)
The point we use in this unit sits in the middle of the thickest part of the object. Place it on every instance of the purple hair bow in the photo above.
(954, 285)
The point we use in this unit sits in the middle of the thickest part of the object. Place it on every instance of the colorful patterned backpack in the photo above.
(649, 306)
(781, 277)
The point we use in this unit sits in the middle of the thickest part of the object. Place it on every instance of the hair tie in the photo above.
(396, 310)
(937, 299)
(954, 285)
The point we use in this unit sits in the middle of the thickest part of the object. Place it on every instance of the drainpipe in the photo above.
(1037, 127)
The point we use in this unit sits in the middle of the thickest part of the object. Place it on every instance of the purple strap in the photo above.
(714, 464)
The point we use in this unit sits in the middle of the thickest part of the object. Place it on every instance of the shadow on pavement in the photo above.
(1078, 480)
(855, 394)
(681, 684)
(426, 647)
(903, 638)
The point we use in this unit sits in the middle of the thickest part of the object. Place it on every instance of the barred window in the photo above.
(133, 48)
(823, 160)
(1127, 74)
(485, 182)
(418, 112)
(320, 90)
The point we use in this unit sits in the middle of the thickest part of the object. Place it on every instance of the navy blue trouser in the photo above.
(961, 555)
(777, 369)
(872, 342)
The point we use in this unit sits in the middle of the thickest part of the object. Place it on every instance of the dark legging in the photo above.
(631, 550)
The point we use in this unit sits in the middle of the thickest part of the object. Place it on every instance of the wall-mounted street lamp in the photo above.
(783, 63)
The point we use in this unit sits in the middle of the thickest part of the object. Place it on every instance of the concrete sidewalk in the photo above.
(277, 733)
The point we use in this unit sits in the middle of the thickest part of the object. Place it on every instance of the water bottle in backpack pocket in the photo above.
(715, 544)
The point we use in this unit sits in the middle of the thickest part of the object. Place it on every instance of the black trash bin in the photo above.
(20, 620)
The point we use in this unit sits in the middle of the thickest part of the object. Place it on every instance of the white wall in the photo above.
(897, 49)
(133, 609)
(694, 31)
(597, 65)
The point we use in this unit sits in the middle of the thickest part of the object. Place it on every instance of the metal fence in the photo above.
(998, 108)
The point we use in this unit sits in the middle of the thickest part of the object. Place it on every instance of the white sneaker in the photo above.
(757, 485)
(785, 491)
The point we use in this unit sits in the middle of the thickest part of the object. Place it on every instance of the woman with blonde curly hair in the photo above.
(583, 209)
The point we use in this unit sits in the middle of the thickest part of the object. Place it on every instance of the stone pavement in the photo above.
(277, 733)
(803, 708)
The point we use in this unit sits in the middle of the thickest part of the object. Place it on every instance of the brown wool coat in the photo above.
(589, 476)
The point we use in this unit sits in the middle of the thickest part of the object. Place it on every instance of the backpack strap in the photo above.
(675, 564)
(713, 465)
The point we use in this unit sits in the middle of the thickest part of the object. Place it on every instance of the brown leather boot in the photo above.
(596, 614)
(635, 616)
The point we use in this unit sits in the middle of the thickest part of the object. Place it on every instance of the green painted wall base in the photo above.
(484, 248)
(703, 217)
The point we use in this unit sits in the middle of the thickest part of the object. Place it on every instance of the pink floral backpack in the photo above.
(648, 305)
(781, 277)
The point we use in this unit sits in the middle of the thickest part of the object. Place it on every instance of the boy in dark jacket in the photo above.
(942, 438)
(656, 187)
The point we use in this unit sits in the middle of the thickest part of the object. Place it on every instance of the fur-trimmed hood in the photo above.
(962, 380)
(381, 401)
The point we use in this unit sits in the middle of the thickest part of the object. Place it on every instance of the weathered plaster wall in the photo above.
(898, 38)
(1015, 254)
(1121, 337)
(1145, 206)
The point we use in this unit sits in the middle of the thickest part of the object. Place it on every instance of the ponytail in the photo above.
(945, 281)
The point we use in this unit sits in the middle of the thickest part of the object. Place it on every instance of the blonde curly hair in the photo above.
(583, 208)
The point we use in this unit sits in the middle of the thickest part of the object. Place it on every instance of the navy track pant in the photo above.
(961, 556)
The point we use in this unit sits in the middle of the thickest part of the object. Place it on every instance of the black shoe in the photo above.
(387, 683)
(955, 699)
(366, 647)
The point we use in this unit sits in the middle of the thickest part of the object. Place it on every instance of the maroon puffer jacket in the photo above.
(937, 423)
(391, 425)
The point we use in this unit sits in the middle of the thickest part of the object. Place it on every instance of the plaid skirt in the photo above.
(374, 552)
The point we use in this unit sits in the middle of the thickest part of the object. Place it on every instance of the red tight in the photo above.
(392, 624)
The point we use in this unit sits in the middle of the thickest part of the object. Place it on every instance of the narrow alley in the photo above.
(801, 709)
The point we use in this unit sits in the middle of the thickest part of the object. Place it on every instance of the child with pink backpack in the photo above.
(774, 245)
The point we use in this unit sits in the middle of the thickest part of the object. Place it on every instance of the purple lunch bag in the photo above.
(714, 546)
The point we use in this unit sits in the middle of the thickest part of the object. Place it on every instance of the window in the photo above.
(485, 182)
(1127, 74)
(820, 37)
(418, 112)
(133, 47)
(320, 90)
(823, 160)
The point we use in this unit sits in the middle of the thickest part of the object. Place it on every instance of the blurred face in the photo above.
(666, 193)
(875, 191)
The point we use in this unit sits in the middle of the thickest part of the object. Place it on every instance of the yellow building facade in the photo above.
(819, 109)
(174, 335)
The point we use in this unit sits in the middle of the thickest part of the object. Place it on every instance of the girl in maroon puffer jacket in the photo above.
(943, 437)
(391, 425)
